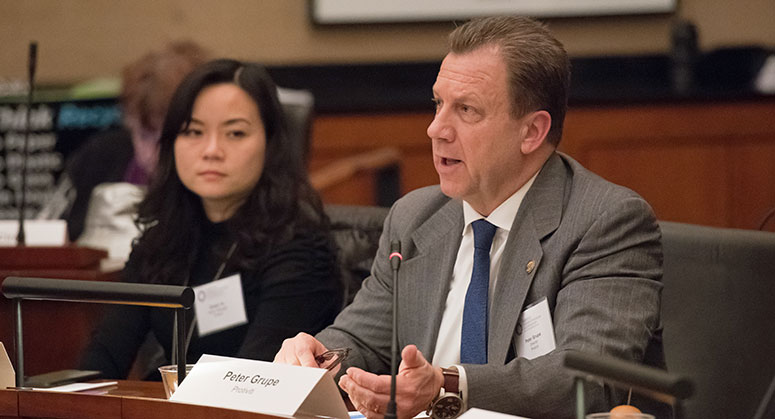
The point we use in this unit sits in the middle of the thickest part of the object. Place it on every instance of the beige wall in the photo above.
(80, 39)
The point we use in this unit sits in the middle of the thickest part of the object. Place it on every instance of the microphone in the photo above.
(32, 63)
(395, 263)
(395, 257)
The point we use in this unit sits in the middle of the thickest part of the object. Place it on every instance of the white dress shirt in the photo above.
(448, 342)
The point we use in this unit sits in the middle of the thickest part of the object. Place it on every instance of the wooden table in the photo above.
(127, 400)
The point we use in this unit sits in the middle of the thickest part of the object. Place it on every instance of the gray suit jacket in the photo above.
(598, 261)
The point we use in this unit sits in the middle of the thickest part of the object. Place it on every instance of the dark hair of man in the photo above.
(538, 66)
(281, 204)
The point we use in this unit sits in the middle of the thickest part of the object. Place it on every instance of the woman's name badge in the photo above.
(219, 305)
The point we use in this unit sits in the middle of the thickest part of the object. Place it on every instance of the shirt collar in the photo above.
(503, 216)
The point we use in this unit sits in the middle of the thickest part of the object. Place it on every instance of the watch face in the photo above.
(447, 407)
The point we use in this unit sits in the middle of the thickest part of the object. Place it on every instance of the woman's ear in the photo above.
(536, 127)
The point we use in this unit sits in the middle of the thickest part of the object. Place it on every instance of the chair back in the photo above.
(356, 230)
(718, 311)
(298, 106)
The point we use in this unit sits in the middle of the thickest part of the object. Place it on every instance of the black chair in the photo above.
(718, 310)
(298, 106)
(718, 306)
(356, 230)
(381, 163)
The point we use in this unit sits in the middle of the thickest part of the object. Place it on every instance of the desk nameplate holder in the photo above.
(174, 297)
(262, 387)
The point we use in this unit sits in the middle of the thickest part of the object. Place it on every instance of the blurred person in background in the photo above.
(128, 153)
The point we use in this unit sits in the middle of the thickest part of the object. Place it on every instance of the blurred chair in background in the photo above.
(356, 230)
(299, 108)
(718, 311)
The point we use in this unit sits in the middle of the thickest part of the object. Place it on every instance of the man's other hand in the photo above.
(300, 350)
(417, 384)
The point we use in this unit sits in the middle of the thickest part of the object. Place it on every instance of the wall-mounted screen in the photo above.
(375, 11)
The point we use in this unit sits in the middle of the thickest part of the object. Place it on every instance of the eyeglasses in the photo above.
(332, 358)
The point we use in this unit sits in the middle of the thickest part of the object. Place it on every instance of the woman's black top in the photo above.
(294, 289)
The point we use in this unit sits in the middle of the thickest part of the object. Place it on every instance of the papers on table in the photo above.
(74, 387)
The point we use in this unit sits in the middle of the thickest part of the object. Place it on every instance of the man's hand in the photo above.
(300, 350)
(417, 384)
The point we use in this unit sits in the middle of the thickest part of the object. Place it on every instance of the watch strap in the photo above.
(451, 380)
(450, 388)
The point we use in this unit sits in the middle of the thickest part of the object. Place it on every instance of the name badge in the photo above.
(537, 331)
(261, 387)
(219, 305)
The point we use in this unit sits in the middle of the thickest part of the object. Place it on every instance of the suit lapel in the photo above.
(437, 241)
(538, 216)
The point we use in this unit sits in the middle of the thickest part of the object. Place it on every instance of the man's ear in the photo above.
(536, 127)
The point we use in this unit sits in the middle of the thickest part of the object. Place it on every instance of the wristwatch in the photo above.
(449, 403)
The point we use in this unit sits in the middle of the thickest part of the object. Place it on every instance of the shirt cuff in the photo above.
(462, 385)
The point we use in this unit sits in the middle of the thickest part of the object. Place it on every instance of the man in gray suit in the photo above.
(561, 240)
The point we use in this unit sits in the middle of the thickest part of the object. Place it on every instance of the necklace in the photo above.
(225, 261)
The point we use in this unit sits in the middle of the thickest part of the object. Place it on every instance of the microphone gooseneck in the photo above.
(395, 263)
(21, 239)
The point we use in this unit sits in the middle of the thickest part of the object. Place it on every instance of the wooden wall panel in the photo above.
(369, 131)
(752, 186)
(660, 174)
(710, 163)
(339, 136)
(702, 163)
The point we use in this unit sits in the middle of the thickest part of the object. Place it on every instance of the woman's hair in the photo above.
(281, 204)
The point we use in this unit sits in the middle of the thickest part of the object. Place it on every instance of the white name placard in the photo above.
(261, 387)
(7, 374)
(36, 232)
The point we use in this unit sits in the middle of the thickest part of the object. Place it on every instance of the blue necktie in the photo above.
(473, 342)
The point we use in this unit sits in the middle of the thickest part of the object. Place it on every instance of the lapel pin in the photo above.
(530, 265)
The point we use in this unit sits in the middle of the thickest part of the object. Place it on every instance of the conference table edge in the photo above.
(9, 404)
(147, 408)
(53, 405)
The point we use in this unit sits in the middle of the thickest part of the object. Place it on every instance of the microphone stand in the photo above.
(395, 263)
(20, 236)
(40, 260)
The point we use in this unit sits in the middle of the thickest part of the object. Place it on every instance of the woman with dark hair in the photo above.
(228, 197)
